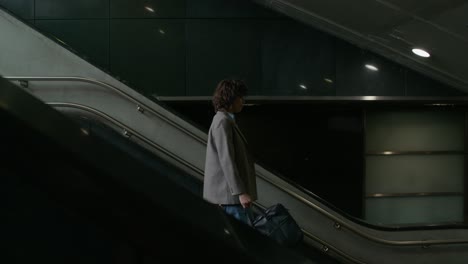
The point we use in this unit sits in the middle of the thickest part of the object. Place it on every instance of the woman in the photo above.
(229, 170)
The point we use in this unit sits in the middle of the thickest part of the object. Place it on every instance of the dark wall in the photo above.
(319, 148)
(183, 48)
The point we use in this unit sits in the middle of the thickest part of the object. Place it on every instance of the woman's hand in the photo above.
(245, 200)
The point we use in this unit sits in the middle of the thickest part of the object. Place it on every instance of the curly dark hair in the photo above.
(226, 92)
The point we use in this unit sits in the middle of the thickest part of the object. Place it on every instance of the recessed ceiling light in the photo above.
(84, 131)
(61, 41)
(149, 9)
(302, 86)
(439, 104)
(371, 67)
(421, 53)
(328, 80)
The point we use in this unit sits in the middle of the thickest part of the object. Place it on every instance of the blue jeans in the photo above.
(245, 215)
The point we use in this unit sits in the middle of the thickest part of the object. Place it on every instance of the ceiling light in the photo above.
(302, 86)
(149, 9)
(162, 31)
(61, 41)
(84, 131)
(421, 53)
(439, 104)
(371, 67)
(328, 80)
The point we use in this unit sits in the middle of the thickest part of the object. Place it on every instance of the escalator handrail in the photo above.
(337, 221)
(130, 132)
(140, 106)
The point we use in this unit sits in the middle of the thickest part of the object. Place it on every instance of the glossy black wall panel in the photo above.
(60, 9)
(149, 54)
(148, 8)
(72, 32)
(420, 85)
(21, 8)
(232, 38)
(296, 60)
(355, 79)
(222, 48)
(318, 148)
(226, 9)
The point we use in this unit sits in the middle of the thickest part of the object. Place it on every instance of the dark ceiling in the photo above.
(392, 28)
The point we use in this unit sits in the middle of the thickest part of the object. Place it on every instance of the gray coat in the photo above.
(229, 169)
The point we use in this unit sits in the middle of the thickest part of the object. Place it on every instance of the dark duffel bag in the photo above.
(276, 223)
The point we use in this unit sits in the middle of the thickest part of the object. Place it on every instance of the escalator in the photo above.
(94, 123)
(181, 145)
(72, 197)
(106, 131)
